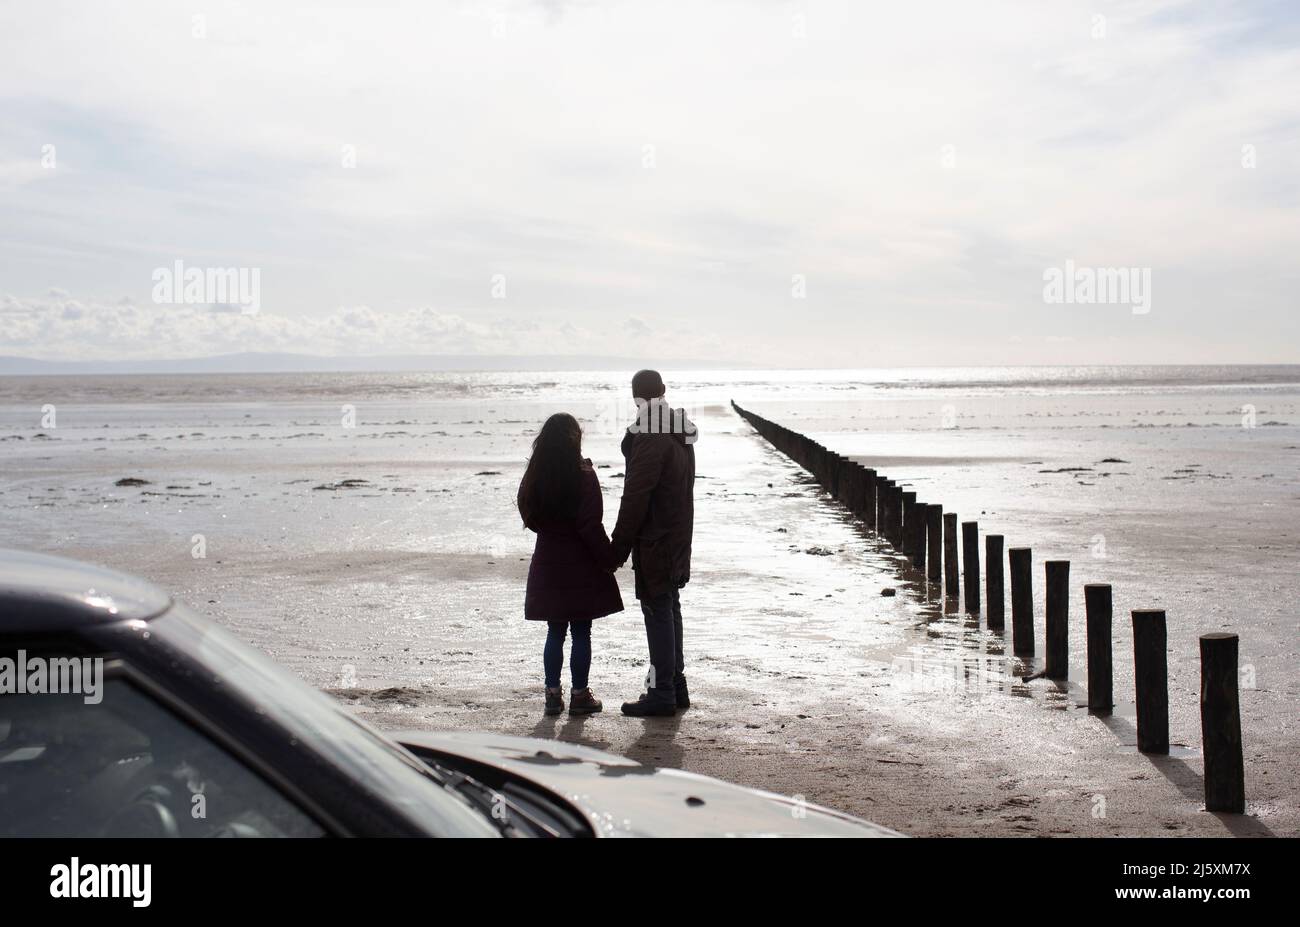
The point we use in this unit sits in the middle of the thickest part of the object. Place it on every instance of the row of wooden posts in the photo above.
(927, 536)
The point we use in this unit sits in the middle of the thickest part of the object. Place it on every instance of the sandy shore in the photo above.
(827, 690)
(402, 597)
(927, 757)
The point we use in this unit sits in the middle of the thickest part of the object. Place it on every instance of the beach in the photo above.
(361, 530)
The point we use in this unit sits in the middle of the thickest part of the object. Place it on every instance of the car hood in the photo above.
(623, 798)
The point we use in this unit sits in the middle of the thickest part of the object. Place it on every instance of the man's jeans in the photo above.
(663, 631)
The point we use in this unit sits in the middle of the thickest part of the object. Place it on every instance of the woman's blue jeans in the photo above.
(579, 656)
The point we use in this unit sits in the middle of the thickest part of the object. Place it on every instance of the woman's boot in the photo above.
(582, 702)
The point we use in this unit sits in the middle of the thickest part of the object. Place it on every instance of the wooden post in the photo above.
(1058, 620)
(1225, 778)
(893, 513)
(1151, 680)
(918, 539)
(993, 581)
(909, 518)
(896, 515)
(950, 554)
(934, 537)
(1101, 693)
(869, 498)
(1022, 600)
(970, 555)
(885, 497)
(891, 504)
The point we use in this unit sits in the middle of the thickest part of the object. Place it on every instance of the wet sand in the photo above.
(385, 563)
(386, 566)
(848, 698)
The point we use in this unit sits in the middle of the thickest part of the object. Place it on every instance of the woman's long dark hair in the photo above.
(549, 489)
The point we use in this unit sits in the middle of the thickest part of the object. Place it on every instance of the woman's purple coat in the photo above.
(570, 578)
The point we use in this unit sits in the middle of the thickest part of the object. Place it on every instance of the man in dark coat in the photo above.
(655, 522)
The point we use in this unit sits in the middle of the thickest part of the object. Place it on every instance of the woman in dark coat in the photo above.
(571, 577)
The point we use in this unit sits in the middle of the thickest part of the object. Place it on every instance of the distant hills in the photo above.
(254, 362)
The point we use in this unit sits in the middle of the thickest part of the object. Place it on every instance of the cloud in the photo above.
(62, 328)
(511, 138)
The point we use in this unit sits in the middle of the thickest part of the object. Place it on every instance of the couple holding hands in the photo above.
(571, 577)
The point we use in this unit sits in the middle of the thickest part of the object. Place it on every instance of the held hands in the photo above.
(618, 557)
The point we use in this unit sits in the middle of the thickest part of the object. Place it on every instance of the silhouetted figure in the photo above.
(655, 522)
(570, 578)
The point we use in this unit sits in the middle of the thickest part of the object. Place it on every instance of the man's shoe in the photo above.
(582, 702)
(554, 701)
(683, 697)
(646, 707)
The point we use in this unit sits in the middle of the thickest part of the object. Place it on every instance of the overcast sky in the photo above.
(808, 184)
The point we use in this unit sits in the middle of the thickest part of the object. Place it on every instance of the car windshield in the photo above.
(314, 718)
